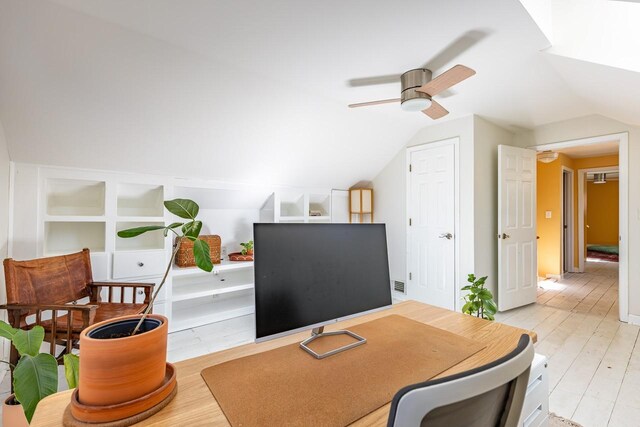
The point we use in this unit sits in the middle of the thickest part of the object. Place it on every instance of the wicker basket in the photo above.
(185, 258)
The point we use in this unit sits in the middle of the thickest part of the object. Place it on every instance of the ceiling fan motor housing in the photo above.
(412, 80)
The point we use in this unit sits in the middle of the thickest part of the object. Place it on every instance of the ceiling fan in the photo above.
(418, 86)
(418, 90)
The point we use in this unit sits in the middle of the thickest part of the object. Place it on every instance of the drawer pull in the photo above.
(141, 264)
(534, 384)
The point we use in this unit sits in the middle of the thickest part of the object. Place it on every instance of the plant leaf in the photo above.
(467, 308)
(485, 294)
(184, 208)
(175, 224)
(466, 288)
(7, 331)
(133, 232)
(491, 306)
(29, 342)
(192, 229)
(34, 378)
(71, 369)
(202, 255)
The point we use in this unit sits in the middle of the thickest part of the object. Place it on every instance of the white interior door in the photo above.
(431, 234)
(517, 245)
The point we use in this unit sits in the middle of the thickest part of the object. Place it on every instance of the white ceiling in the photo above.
(257, 91)
(592, 150)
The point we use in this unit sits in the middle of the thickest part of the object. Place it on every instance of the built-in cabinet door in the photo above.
(517, 244)
(339, 206)
(431, 232)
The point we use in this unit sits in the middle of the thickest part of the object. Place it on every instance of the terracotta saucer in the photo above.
(104, 414)
(237, 256)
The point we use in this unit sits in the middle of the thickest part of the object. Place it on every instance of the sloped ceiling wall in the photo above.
(255, 91)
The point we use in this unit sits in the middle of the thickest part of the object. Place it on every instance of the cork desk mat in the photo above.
(287, 386)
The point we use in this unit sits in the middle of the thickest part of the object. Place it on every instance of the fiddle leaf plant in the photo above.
(479, 300)
(35, 376)
(189, 229)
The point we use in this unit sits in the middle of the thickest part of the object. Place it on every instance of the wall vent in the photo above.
(399, 286)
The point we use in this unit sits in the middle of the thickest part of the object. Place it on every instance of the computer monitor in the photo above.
(310, 275)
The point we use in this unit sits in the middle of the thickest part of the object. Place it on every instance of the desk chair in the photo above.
(488, 396)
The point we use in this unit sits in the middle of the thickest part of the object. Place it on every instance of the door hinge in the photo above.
(410, 276)
(409, 222)
(409, 167)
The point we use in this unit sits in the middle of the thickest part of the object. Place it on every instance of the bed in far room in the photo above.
(603, 252)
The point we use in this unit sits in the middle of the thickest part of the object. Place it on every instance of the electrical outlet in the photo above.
(547, 214)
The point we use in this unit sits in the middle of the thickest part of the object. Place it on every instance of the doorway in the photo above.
(563, 245)
(433, 223)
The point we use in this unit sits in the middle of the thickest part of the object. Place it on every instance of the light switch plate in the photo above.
(547, 214)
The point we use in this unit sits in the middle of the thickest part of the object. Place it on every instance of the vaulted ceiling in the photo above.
(257, 91)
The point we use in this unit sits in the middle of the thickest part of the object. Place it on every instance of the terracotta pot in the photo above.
(118, 370)
(13, 414)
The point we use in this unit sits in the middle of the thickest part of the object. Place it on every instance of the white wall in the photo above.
(595, 125)
(4, 225)
(487, 136)
(390, 195)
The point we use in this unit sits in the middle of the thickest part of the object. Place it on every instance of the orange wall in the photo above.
(549, 194)
(602, 213)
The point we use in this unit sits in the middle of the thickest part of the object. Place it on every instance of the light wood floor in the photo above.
(594, 360)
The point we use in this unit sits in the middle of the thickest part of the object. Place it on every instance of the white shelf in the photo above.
(140, 219)
(225, 265)
(140, 200)
(75, 197)
(291, 219)
(147, 241)
(68, 237)
(74, 218)
(210, 310)
(184, 292)
(320, 218)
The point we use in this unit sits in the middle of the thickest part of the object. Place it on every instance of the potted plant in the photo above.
(124, 359)
(247, 248)
(35, 376)
(479, 301)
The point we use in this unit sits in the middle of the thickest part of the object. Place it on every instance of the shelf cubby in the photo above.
(187, 288)
(140, 200)
(320, 203)
(214, 308)
(292, 205)
(67, 237)
(147, 241)
(74, 197)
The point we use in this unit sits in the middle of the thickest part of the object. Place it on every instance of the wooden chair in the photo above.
(46, 292)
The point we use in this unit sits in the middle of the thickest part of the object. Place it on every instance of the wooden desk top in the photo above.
(194, 404)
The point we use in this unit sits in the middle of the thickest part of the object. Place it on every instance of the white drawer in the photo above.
(128, 264)
(535, 408)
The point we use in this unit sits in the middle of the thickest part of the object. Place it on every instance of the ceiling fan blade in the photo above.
(444, 81)
(377, 80)
(382, 101)
(455, 48)
(436, 111)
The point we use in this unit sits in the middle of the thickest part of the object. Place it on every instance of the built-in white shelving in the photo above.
(76, 209)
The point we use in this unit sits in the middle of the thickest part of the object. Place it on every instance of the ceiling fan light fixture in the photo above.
(416, 104)
(547, 156)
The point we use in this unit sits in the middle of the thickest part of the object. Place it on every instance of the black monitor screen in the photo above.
(307, 274)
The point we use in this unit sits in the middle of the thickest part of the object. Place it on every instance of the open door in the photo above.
(517, 245)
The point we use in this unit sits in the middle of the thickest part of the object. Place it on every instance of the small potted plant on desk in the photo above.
(35, 376)
(479, 301)
(124, 372)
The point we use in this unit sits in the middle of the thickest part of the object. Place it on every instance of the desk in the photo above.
(194, 404)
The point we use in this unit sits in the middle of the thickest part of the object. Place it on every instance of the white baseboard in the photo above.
(634, 319)
(554, 276)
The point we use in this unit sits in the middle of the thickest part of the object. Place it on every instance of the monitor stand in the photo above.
(319, 332)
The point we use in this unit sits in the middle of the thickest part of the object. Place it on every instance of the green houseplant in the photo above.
(479, 300)
(137, 344)
(188, 210)
(247, 248)
(35, 376)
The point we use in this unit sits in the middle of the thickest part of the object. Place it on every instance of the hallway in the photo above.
(594, 360)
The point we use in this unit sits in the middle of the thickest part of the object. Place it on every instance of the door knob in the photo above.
(505, 236)
(447, 236)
